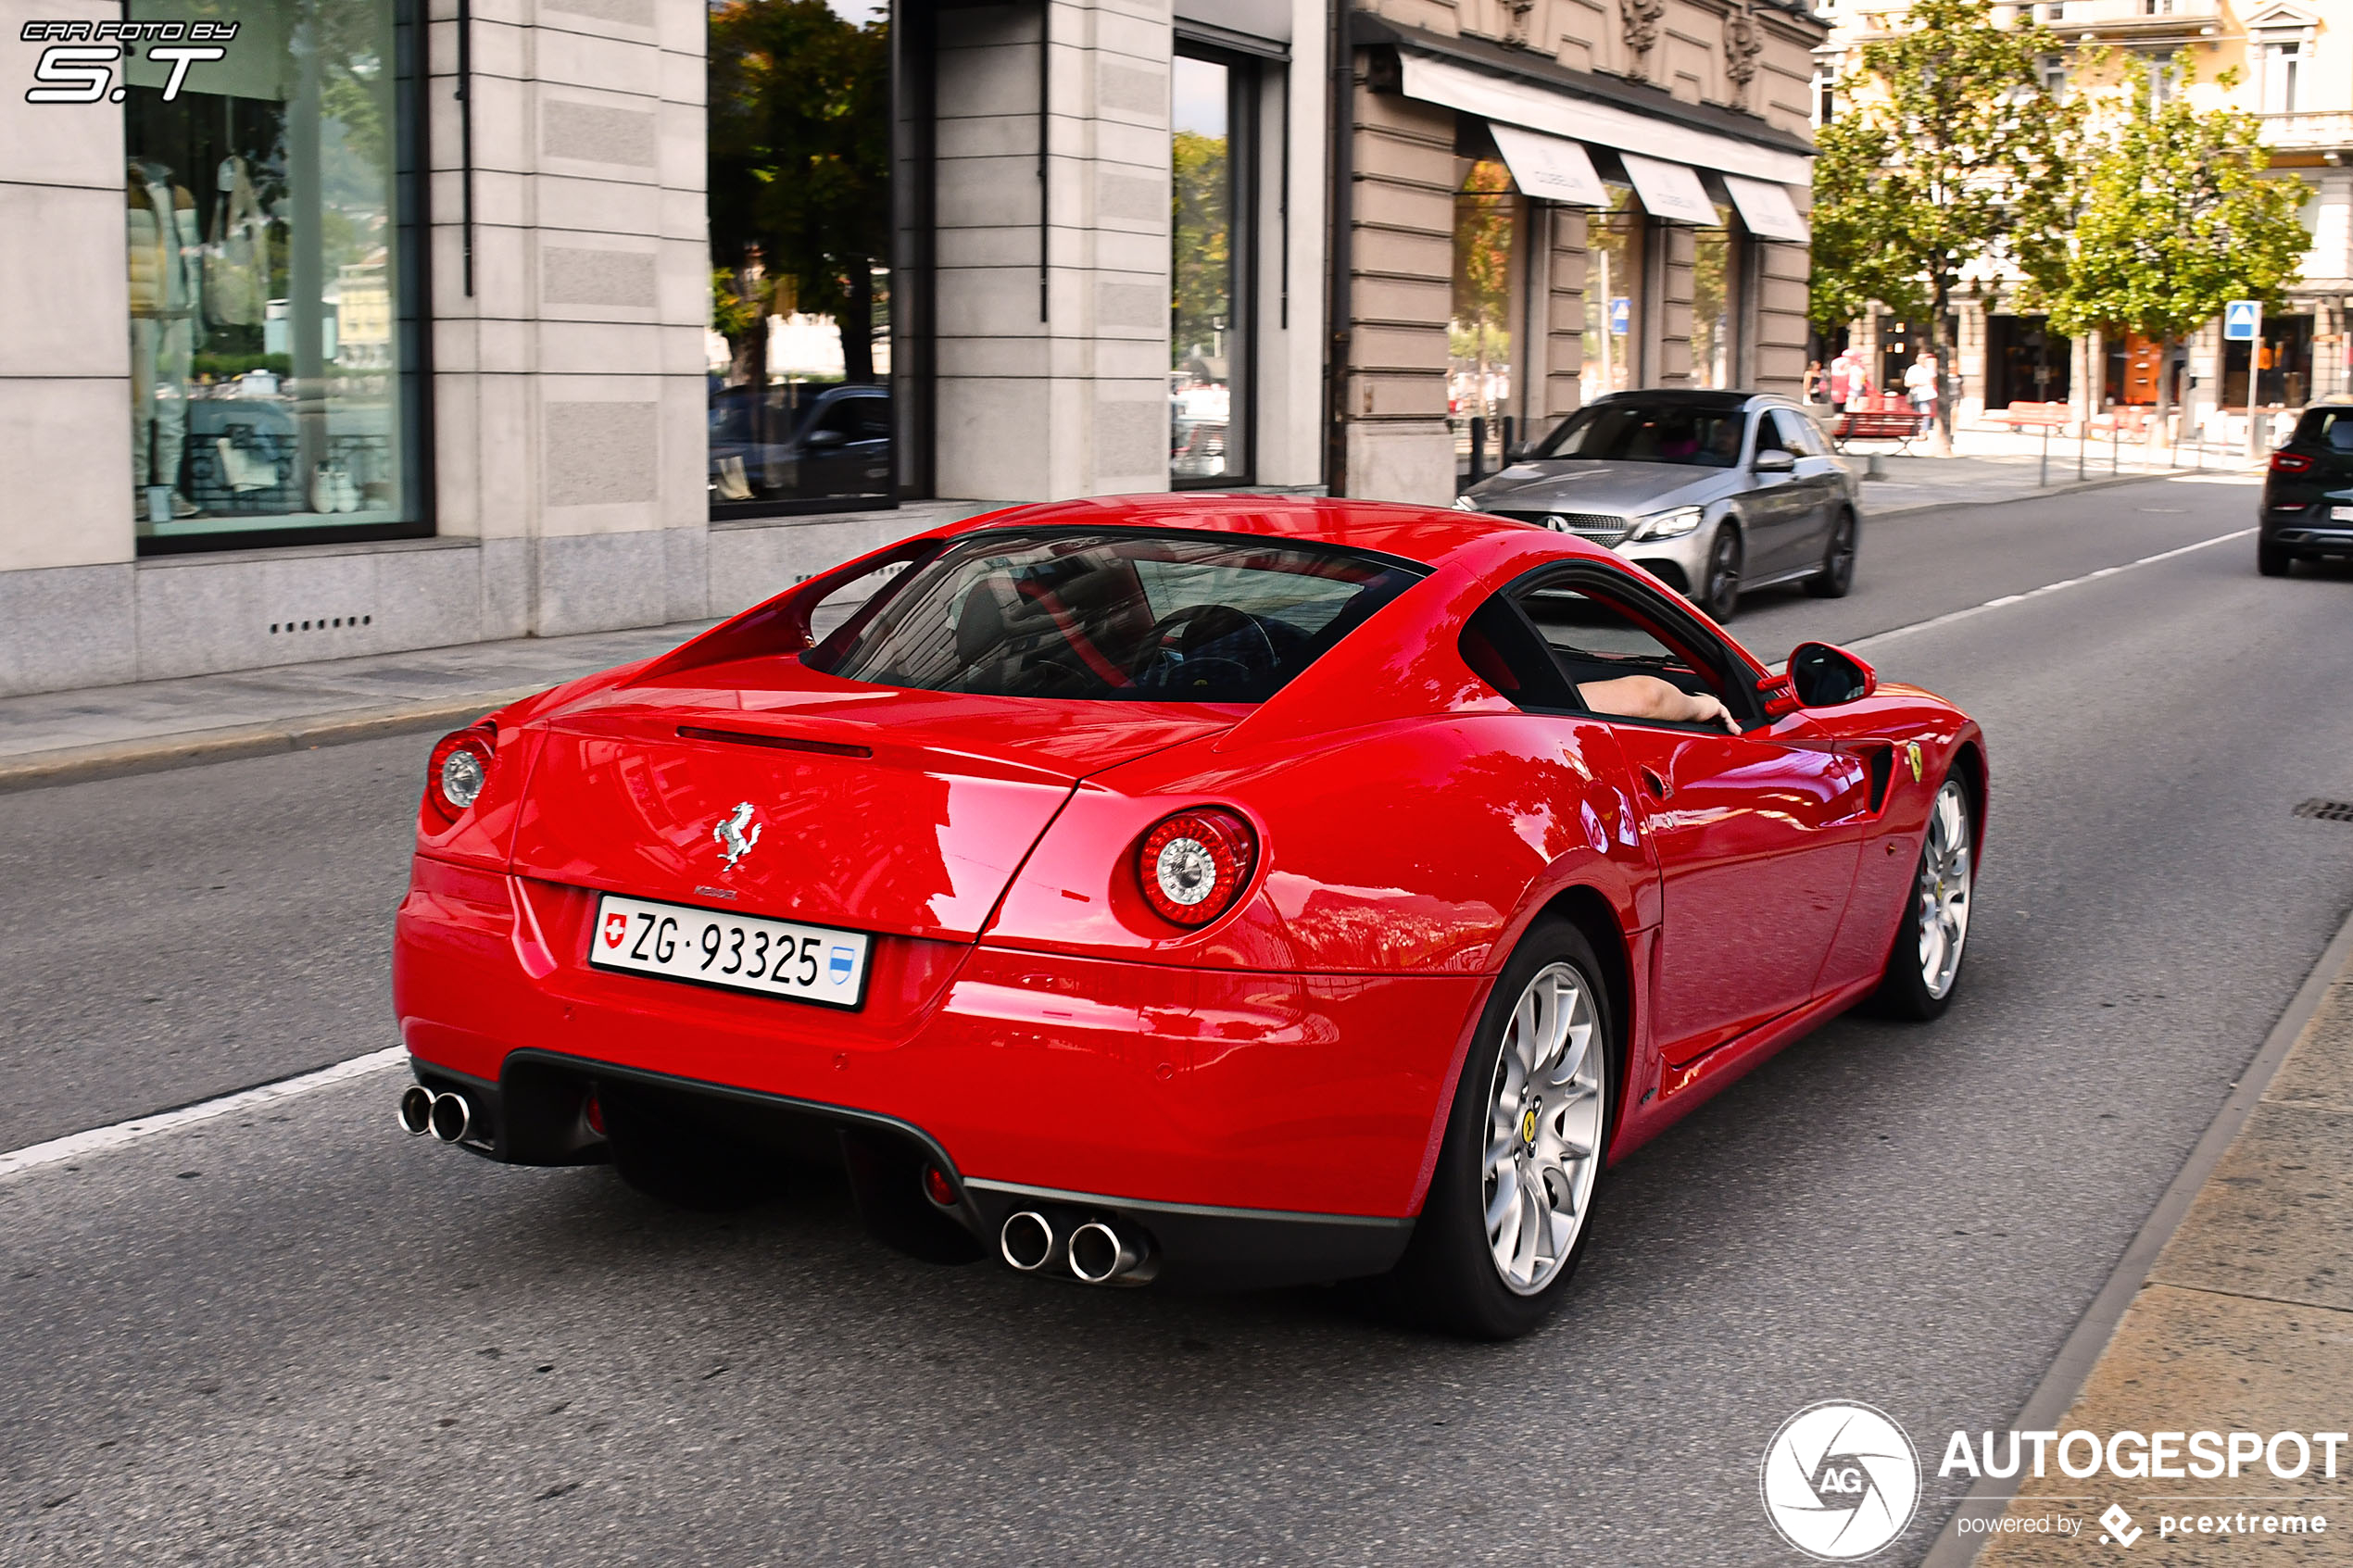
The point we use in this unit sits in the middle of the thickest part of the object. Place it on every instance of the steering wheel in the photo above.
(1172, 657)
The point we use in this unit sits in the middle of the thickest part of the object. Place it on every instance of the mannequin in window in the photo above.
(166, 248)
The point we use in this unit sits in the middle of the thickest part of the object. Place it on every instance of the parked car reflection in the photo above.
(801, 443)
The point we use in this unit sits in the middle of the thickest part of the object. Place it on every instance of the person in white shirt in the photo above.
(1919, 385)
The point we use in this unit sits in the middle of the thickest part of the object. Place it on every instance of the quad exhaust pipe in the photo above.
(448, 1116)
(1098, 1249)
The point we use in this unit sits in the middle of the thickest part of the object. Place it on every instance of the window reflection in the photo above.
(1715, 277)
(1203, 335)
(1612, 296)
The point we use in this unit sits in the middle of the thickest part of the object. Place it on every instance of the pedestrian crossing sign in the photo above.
(2238, 320)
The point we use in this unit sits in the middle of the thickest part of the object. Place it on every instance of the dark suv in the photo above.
(2307, 496)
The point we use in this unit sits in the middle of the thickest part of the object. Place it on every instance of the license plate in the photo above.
(2340, 514)
(774, 957)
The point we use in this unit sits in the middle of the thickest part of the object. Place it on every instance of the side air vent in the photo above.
(773, 743)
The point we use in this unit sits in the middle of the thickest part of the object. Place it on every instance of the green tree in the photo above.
(1204, 246)
(2177, 220)
(799, 163)
(1945, 160)
(1480, 330)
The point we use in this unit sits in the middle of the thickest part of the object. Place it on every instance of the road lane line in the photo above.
(103, 1140)
(1951, 616)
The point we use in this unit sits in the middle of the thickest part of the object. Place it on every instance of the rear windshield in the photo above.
(1138, 617)
(1650, 432)
(2327, 427)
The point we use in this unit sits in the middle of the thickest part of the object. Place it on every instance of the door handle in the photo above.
(1656, 781)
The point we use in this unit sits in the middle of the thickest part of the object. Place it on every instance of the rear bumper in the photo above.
(1270, 1126)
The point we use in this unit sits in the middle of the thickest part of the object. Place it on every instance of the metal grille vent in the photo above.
(2327, 811)
(1602, 528)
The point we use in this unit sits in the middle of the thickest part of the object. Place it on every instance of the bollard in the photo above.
(1478, 449)
(2115, 445)
(2044, 476)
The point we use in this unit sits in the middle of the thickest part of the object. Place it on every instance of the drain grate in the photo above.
(2327, 811)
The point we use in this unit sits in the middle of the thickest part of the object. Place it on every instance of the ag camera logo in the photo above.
(1840, 1481)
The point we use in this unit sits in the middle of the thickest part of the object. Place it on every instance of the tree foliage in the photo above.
(2177, 220)
(1944, 161)
(1203, 260)
(799, 158)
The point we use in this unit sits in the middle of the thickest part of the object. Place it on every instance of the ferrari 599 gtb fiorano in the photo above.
(1208, 890)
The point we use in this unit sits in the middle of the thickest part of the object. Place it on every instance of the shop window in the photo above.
(1481, 339)
(1209, 338)
(1614, 266)
(800, 338)
(271, 255)
(1715, 278)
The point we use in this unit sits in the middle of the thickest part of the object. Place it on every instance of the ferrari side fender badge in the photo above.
(734, 843)
(1912, 754)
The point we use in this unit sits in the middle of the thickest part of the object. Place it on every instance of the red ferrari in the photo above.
(1216, 890)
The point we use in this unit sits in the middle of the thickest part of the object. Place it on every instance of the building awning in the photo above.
(1669, 190)
(1525, 103)
(1767, 210)
(1549, 168)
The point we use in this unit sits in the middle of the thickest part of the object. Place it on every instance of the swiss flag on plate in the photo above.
(616, 927)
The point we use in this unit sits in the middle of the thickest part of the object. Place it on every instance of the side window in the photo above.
(1504, 651)
(1594, 635)
(1799, 434)
(1771, 436)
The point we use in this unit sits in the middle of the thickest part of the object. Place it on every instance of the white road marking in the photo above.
(1950, 617)
(102, 1140)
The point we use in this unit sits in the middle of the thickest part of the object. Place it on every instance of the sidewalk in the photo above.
(60, 737)
(2245, 1323)
(1991, 465)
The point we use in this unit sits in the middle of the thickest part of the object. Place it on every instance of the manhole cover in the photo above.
(2327, 811)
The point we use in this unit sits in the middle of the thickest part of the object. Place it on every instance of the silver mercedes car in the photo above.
(1715, 491)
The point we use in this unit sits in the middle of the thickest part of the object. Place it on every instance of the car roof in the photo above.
(1428, 535)
(1694, 396)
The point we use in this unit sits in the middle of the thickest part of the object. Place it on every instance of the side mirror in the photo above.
(1823, 676)
(1773, 461)
(824, 440)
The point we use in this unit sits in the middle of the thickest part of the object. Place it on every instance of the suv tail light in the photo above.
(1194, 864)
(2290, 462)
(459, 770)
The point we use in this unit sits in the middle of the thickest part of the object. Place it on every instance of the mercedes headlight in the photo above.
(1464, 503)
(1673, 523)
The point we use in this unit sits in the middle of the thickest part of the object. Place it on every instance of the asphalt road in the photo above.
(301, 1337)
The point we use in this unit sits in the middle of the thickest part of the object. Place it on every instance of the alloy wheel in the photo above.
(1942, 897)
(1545, 1129)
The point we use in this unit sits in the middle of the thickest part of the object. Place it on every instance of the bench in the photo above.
(2121, 422)
(1881, 416)
(2050, 416)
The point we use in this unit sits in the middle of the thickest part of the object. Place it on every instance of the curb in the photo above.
(2089, 1339)
(2072, 487)
(77, 764)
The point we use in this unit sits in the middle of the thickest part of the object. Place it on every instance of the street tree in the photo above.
(2177, 218)
(800, 168)
(1944, 161)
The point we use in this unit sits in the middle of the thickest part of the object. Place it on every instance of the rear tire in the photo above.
(1838, 562)
(663, 1150)
(1924, 961)
(2272, 560)
(1458, 1274)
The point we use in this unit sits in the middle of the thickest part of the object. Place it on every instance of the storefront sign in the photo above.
(1549, 168)
(1671, 191)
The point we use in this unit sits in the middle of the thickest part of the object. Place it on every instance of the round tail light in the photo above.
(459, 770)
(1195, 863)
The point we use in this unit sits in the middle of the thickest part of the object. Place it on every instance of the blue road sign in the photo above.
(2238, 320)
(1621, 315)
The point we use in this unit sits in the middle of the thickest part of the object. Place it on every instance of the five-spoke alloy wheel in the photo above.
(1925, 964)
(1510, 1204)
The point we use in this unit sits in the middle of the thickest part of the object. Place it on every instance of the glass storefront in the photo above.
(271, 249)
(1614, 296)
(1207, 336)
(1715, 306)
(1480, 339)
(797, 353)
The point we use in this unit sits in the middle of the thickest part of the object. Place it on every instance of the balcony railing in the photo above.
(2308, 131)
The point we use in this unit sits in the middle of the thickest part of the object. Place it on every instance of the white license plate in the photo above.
(2340, 514)
(776, 958)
